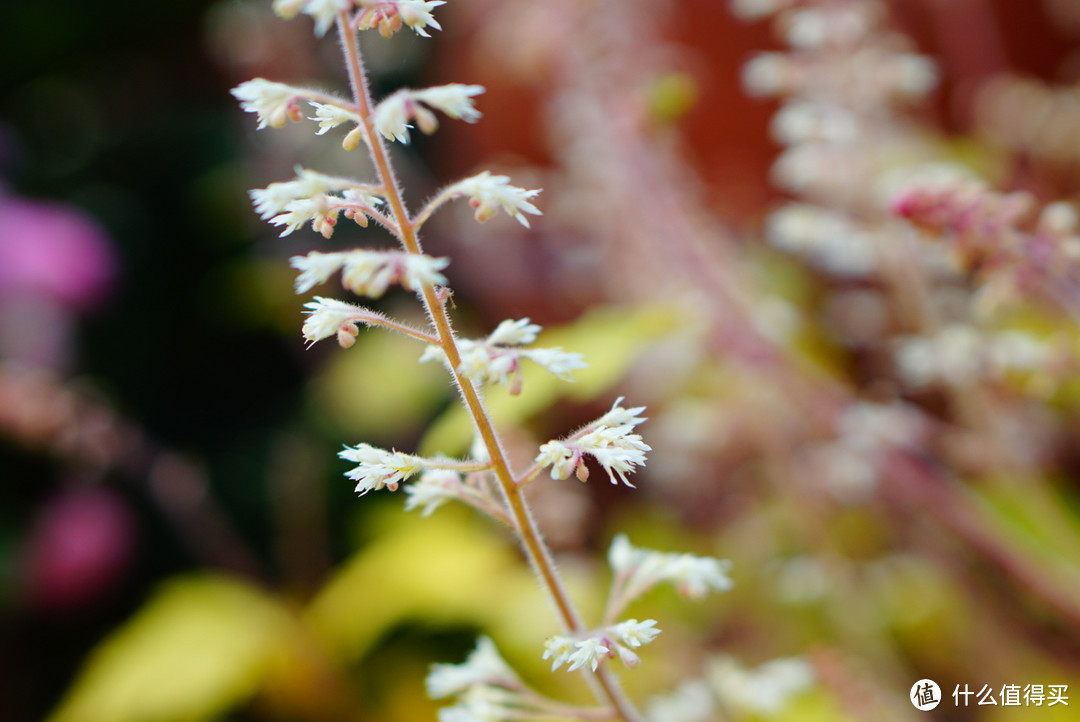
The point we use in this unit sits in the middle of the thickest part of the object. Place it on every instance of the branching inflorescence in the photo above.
(484, 687)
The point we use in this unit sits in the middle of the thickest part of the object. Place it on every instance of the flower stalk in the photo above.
(536, 552)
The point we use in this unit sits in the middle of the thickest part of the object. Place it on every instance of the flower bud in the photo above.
(352, 140)
(426, 120)
(346, 336)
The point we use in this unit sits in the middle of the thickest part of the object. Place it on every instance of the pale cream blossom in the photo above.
(378, 468)
(369, 273)
(615, 446)
(331, 116)
(487, 193)
(324, 12)
(273, 103)
(482, 666)
(395, 112)
(497, 359)
(638, 570)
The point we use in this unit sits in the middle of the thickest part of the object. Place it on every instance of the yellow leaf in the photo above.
(197, 648)
(377, 389)
(448, 568)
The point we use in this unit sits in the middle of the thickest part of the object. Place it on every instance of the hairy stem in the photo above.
(607, 687)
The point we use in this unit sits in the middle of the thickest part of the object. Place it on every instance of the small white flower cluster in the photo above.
(314, 198)
(961, 354)
(328, 317)
(369, 273)
(487, 193)
(763, 691)
(324, 12)
(865, 432)
(276, 197)
(378, 468)
(386, 15)
(638, 570)
(273, 103)
(610, 440)
(482, 666)
(389, 15)
(591, 649)
(497, 359)
(393, 114)
(486, 689)
(433, 489)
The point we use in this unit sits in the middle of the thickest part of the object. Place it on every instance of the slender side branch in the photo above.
(537, 553)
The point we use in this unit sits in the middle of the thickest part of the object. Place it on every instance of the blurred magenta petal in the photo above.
(80, 545)
(55, 250)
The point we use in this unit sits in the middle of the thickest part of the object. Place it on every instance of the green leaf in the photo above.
(198, 647)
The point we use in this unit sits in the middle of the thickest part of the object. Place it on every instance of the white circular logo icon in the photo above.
(925, 695)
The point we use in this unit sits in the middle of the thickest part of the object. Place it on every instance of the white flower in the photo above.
(618, 449)
(559, 362)
(498, 360)
(393, 113)
(489, 192)
(691, 701)
(276, 197)
(588, 652)
(642, 569)
(315, 268)
(694, 576)
(392, 117)
(618, 416)
(432, 490)
(377, 468)
(562, 458)
(514, 332)
(316, 210)
(274, 103)
(633, 633)
(623, 556)
(482, 666)
(764, 690)
(417, 14)
(328, 317)
(558, 649)
(331, 116)
(454, 99)
(324, 12)
(370, 273)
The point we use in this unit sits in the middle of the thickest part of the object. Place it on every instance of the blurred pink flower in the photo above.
(54, 250)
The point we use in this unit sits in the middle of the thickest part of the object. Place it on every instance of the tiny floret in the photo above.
(369, 273)
(614, 445)
(377, 468)
(327, 317)
(331, 116)
(483, 666)
(638, 570)
(322, 11)
(395, 113)
(487, 193)
(497, 359)
(273, 103)
(432, 490)
(417, 14)
(513, 332)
